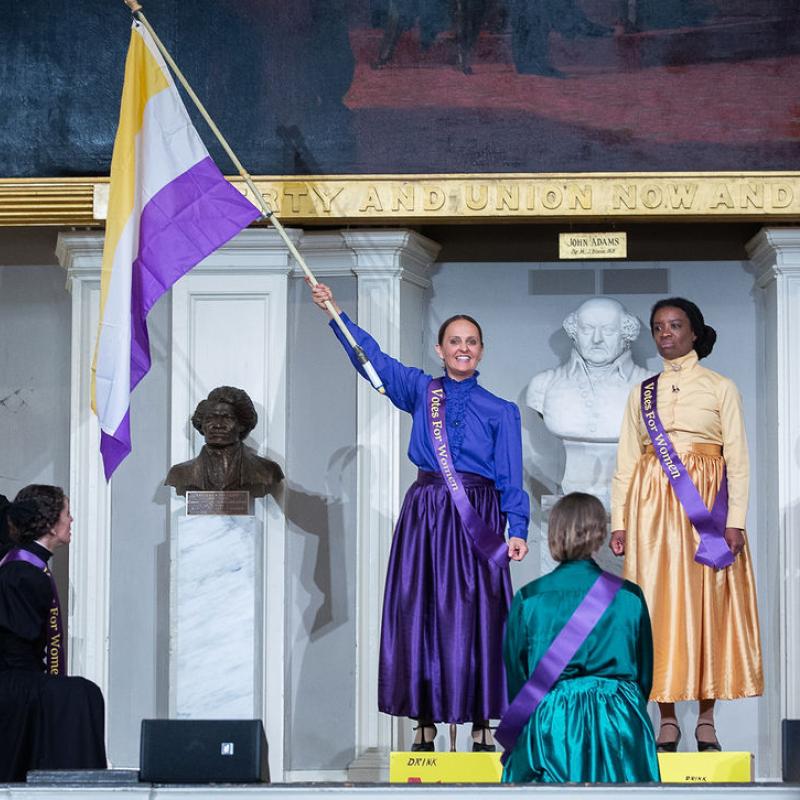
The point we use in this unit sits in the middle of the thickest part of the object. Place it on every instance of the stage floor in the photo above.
(340, 791)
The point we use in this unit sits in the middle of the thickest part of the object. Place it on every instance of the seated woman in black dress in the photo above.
(5, 543)
(48, 721)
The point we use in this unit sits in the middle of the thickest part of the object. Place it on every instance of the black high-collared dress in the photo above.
(47, 721)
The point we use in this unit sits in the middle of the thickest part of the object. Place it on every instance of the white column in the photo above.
(229, 328)
(90, 496)
(392, 269)
(775, 254)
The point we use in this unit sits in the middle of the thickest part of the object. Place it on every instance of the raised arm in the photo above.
(402, 383)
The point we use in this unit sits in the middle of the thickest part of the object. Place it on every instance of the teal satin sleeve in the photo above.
(515, 649)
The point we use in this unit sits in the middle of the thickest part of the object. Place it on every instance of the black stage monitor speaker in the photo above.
(203, 751)
(790, 733)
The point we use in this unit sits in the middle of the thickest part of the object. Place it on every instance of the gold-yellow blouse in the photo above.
(695, 404)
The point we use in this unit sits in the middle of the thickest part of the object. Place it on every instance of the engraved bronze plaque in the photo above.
(593, 245)
(231, 504)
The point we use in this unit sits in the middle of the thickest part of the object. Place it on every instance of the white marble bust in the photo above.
(584, 399)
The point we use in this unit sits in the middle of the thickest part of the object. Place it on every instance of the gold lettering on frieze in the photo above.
(681, 195)
(477, 196)
(579, 196)
(674, 196)
(508, 197)
(721, 196)
(372, 202)
(271, 198)
(326, 195)
(752, 195)
(652, 197)
(295, 193)
(782, 195)
(434, 198)
(343, 199)
(552, 198)
(669, 196)
(516, 197)
(404, 198)
(623, 195)
(769, 196)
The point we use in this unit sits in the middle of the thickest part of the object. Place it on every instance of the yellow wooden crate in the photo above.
(707, 767)
(407, 767)
(445, 767)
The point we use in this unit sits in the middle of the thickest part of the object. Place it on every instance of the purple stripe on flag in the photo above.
(114, 447)
(187, 220)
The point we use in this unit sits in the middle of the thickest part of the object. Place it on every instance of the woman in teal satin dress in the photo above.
(592, 726)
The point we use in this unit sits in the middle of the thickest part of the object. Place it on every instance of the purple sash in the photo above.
(486, 542)
(54, 649)
(713, 550)
(553, 663)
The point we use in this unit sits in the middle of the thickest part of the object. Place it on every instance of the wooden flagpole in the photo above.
(136, 10)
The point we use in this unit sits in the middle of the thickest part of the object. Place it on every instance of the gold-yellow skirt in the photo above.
(705, 622)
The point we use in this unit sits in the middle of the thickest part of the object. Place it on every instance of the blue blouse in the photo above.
(483, 430)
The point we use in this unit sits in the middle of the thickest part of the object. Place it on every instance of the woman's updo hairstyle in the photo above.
(706, 335)
(34, 512)
(577, 527)
(455, 318)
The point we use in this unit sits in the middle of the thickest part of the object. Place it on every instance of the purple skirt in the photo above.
(444, 610)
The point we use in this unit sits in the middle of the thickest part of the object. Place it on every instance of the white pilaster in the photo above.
(775, 254)
(392, 268)
(229, 328)
(90, 496)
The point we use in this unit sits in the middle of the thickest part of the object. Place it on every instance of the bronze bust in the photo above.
(225, 418)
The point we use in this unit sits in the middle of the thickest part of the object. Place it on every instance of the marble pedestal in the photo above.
(216, 630)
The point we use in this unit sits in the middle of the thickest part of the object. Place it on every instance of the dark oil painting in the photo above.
(421, 86)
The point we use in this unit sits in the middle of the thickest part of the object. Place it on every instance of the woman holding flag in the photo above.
(678, 508)
(447, 585)
(48, 720)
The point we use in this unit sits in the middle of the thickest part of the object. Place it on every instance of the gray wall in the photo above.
(34, 377)
(139, 652)
(321, 547)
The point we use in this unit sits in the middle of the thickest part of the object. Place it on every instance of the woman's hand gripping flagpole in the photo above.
(136, 10)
